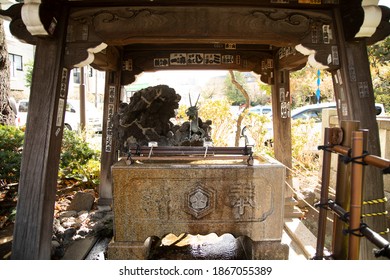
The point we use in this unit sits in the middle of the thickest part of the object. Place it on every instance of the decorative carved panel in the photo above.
(126, 25)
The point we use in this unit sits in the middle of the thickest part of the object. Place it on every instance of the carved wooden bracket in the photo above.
(324, 58)
(108, 59)
(365, 20)
(383, 29)
(81, 54)
(372, 18)
(290, 59)
(40, 18)
(83, 44)
(17, 26)
(320, 46)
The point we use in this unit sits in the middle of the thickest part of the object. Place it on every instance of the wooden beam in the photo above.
(135, 62)
(109, 151)
(41, 151)
(195, 24)
(355, 100)
(230, 3)
(281, 118)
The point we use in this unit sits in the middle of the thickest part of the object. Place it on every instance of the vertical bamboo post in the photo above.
(325, 177)
(356, 194)
(82, 99)
(343, 190)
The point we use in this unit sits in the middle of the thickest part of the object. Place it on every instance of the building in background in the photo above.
(21, 56)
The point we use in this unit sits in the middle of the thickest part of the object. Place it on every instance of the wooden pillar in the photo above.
(281, 117)
(109, 153)
(355, 99)
(41, 151)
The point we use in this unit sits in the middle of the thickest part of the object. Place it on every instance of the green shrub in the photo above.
(78, 160)
(11, 144)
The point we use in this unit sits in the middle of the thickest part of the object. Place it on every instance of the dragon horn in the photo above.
(197, 100)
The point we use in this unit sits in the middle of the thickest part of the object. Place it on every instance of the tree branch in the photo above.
(243, 113)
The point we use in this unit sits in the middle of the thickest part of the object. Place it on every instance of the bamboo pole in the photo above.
(343, 191)
(325, 178)
(368, 159)
(356, 195)
(82, 100)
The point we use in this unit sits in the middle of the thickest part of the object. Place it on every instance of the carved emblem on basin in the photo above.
(200, 201)
(242, 196)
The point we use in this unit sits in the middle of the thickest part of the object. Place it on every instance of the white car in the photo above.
(93, 117)
(314, 112)
(261, 110)
(72, 115)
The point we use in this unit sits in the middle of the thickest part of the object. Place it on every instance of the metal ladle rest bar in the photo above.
(185, 153)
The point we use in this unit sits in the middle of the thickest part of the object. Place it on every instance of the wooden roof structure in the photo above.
(126, 37)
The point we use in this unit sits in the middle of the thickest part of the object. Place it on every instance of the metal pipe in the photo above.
(325, 177)
(378, 241)
(356, 195)
(339, 211)
(184, 150)
(371, 235)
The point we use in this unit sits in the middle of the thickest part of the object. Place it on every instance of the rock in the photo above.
(83, 231)
(104, 226)
(71, 222)
(71, 225)
(67, 214)
(147, 118)
(104, 208)
(57, 250)
(55, 244)
(94, 216)
(82, 201)
(83, 215)
(58, 229)
(69, 233)
(306, 195)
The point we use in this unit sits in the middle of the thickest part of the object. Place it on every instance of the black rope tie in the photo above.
(355, 231)
(322, 205)
(386, 170)
(347, 159)
(326, 148)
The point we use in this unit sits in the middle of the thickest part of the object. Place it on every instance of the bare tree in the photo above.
(7, 114)
(243, 112)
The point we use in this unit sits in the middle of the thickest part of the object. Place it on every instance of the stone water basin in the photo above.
(152, 199)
